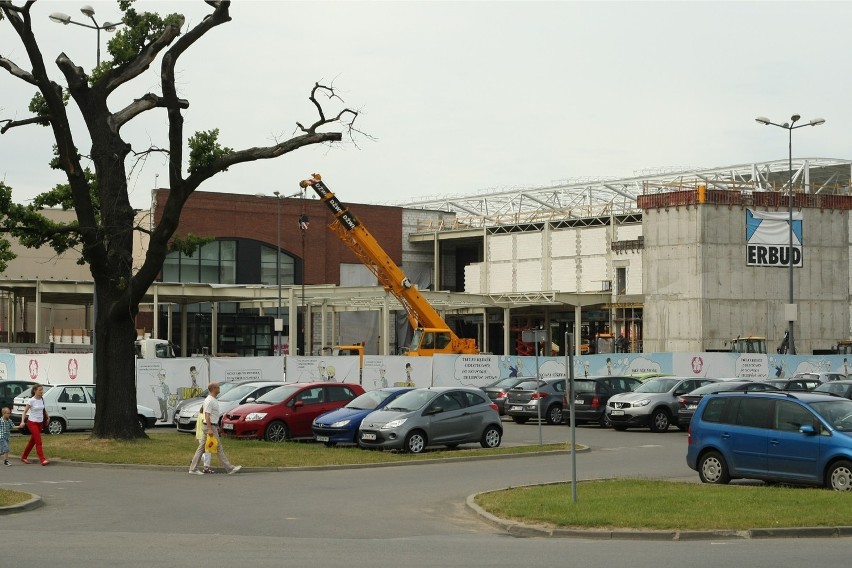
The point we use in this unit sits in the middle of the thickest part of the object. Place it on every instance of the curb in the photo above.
(33, 503)
(523, 530)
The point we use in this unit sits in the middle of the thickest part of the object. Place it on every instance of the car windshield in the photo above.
(412, 400)
(838, 413)
(657, 385)
(369, 400)
(279, 394)
(236, 393)
(835, 388)
(508, 382)
(529, 385)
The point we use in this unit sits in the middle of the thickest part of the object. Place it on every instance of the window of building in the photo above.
(621, 280)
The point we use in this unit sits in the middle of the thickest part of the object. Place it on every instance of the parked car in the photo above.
(795, 384)
(533, 398)
(801, 438)
(287, 412)
(840, 388)
(72, 407)
(592, 393)
(432, 416)
(498, 391)
(341, 426)
(223, 388)
(240, 393)
(822, 377)
(10, 390)
(687, 403)
(654, 403)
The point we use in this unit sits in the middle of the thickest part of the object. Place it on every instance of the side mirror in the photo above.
(299, 404)
(434, 410)
(250, 399)
(807, 429)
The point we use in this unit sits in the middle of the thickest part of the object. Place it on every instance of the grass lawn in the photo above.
(659, 505)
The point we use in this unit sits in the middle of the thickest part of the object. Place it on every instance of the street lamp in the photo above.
(89, 12)
(790, 127)
(279, 324)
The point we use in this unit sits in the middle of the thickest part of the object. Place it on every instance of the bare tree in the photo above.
(104, 217)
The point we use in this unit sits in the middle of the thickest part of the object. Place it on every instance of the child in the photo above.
(6, 426)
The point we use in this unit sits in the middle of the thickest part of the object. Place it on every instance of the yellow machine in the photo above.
(750, 344)
(431, 333)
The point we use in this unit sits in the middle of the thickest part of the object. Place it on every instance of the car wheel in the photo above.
(415, 442)
(520, 419)
(141, 421)
(277, 431)
(619, 427)
(713, 469)
(554, 414)
(839, 476)
(55, 426)
(660, 421)
(491, 437)
(604, 421)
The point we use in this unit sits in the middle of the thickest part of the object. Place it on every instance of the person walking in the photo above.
(210, 408)
(35, 415)
(6, 426)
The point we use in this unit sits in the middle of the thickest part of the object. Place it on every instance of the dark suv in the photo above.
(592, 393)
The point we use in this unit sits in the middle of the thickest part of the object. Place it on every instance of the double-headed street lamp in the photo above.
(89, 12)
(790, 127)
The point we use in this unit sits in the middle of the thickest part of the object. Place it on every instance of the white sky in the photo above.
(469, 96)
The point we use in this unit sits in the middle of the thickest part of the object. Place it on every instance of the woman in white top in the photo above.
(36, 417)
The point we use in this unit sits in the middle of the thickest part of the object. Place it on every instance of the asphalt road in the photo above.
(411, 516)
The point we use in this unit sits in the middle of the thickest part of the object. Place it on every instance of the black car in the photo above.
(689, 402)
(9, 390)
(592, 393)
(533, 398)
(497, 391)
(840, 388)
(795, 384)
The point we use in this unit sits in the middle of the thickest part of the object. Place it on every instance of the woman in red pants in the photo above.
(36, 417)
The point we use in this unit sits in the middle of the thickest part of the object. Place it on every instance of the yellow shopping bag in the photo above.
(212, 444)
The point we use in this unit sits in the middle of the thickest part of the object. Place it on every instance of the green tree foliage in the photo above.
(97, 178)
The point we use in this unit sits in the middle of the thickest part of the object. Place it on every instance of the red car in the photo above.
(288, 411)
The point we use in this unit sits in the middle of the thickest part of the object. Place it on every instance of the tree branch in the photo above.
(147, 102)
(43, 120)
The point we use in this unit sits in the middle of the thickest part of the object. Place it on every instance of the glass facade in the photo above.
(240, 332)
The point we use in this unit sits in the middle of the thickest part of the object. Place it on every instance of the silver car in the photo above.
(241, 393)
(654, 403)
(432, 416)
(534, 399)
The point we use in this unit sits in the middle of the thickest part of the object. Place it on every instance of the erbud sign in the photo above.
(768, 238)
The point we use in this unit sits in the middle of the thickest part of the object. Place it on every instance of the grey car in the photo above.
(499, 390)
(534, 399)
(654, 403)
(239, 393)
(433, 416)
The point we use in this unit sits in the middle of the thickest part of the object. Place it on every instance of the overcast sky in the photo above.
(463, 97)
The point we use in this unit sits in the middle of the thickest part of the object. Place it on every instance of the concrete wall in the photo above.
(699, 292)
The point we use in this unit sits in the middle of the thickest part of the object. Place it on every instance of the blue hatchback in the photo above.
(800, 438)
(341, 426)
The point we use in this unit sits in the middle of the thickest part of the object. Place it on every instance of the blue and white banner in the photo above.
(768, 238)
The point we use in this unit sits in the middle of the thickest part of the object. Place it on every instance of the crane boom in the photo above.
(431, 332)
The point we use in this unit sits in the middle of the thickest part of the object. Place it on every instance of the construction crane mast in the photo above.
(431, 333)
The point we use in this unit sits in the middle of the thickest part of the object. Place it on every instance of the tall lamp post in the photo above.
(89, 12)
(279, 323)
(790, 127)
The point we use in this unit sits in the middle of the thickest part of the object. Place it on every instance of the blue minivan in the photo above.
(799, 438)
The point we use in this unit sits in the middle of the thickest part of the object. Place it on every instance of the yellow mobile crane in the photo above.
(431, 333)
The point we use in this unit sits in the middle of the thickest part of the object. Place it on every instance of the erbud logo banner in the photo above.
(768, 238)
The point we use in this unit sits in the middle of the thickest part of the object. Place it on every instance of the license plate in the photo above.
(578, 401)
(322, 438)
(691, 406)
(227, 426)
(368, 436)
(516, 408)
(617, 413)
